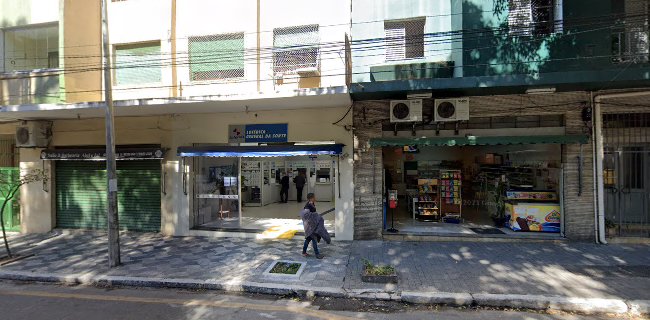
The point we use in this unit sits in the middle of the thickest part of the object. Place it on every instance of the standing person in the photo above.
(300, 181)
(284, 190)
(314, 226)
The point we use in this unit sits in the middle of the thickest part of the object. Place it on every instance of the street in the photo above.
(53, 302)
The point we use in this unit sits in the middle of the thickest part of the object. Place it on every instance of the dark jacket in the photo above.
(314, 226)
(310, 206)
(299, 181)
(285, 182)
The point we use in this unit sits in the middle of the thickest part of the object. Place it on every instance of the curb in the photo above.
(537, 302)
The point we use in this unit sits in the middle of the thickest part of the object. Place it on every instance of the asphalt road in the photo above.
(53, 302)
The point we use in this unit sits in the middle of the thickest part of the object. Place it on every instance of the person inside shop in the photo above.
(300, 181)
(314, 226)
(284, 189)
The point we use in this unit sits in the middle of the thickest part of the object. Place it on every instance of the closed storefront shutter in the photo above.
(81, 195)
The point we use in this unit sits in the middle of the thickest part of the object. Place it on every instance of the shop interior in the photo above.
(497, 189)
(219, 182)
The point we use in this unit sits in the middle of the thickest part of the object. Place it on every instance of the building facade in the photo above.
(211, 113)
(527, 115)
(504, 99)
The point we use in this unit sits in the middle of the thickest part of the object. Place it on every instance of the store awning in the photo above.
(261, 151)
(100, 154)
(477, 141)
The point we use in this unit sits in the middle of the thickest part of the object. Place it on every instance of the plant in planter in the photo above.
(378, 273)
(610, 227)
(499, 215)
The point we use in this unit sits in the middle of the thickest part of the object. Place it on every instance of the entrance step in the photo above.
(447, 237)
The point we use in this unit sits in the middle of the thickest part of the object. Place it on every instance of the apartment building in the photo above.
(214, 105)
(501, 113)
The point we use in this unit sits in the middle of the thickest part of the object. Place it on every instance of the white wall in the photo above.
(137, 21)
(368, 18)
(146, 20)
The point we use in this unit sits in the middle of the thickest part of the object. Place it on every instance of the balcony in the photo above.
(29, 87)
(630, 46)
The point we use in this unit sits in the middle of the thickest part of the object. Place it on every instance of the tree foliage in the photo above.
(10, 182)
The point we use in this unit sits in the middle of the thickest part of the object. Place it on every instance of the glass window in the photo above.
(137, 63)
(30, 48)
(295, 48)
(534, 17)
(404, 39)
(217, 57)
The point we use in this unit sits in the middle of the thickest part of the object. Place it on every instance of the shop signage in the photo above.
(276, 132)
(100, 154)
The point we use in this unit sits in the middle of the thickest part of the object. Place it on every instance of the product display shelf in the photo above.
(450, 195)
(426, 207)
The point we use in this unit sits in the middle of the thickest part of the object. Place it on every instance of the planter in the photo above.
(391, 278)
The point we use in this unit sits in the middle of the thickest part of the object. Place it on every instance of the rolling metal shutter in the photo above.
(81, 195)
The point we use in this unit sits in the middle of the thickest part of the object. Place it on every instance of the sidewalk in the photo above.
(572, 276)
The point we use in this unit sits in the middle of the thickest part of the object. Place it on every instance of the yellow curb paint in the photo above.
(184, 302)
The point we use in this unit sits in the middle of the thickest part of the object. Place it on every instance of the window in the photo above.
(217, 57)
(30, 48)
(404, 39)
(295, 48)
(534, 17)
(631, 41)
(137, 63)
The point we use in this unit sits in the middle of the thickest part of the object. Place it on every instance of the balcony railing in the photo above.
(630, 46)
(29, 87)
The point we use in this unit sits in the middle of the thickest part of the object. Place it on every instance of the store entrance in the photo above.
(246, 193)
(502, 189)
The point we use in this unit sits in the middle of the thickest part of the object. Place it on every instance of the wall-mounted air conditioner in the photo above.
(406, 110)
(456, 109)
(32, 134)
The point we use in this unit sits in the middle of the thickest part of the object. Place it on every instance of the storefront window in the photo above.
(217, 195)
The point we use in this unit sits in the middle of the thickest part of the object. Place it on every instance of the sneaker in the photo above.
(305, 254)
(320, 256)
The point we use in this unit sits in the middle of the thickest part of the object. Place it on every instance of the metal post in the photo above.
(111, 175)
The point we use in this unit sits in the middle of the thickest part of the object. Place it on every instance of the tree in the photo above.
(10, 182)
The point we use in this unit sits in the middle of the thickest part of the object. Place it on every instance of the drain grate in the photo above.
(487, 231)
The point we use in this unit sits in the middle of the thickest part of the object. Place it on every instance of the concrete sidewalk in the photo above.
(572, 277)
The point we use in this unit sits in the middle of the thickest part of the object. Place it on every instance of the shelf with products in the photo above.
(425, 206)
(451, 195)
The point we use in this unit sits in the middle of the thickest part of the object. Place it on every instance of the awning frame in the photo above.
(478, 140)
(261, 151)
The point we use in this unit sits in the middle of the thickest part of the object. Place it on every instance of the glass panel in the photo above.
(137, 63)
(30, 48)
(216, 192)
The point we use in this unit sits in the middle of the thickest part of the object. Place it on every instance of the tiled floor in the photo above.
(282, 217)
(567, 269)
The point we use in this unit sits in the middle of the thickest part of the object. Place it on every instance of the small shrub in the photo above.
(285, 268)
(378, 270)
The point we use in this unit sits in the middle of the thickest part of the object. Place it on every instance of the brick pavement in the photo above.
(571, 269)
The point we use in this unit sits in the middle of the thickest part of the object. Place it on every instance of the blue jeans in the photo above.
(306, 245)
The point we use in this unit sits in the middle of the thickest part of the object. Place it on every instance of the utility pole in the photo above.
(111, 175)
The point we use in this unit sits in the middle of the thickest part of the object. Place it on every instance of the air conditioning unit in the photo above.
(31, 134)
(451, 109)
(406, 110)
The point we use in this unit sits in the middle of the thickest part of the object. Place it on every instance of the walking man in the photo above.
(284, 190)
(300, 181)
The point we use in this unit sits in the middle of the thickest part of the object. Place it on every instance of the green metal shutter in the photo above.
(81, 195)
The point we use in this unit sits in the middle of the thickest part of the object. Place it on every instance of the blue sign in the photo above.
(277, 132)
